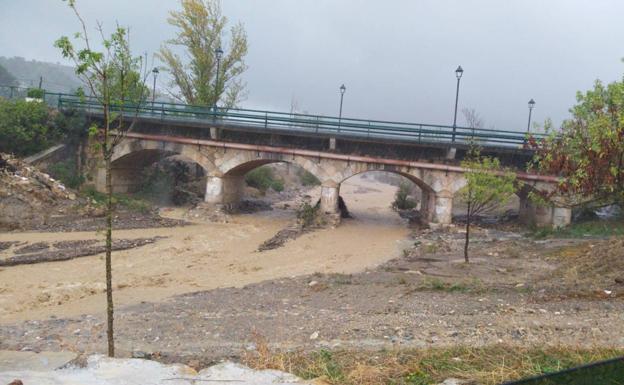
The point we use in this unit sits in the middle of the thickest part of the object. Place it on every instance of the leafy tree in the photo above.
(25, 127)
(200, 26)
(588, 151)
(488, 186)
(109, 75)
(127, 85)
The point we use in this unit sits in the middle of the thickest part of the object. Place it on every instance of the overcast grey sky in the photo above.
(396, 57)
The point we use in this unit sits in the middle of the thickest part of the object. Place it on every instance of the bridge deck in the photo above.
(299, 123)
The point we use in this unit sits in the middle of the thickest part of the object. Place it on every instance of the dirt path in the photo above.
(202, 257)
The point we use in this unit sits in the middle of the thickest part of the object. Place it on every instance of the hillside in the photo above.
(56, 77)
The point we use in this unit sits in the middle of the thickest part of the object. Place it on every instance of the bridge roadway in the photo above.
(317, 125)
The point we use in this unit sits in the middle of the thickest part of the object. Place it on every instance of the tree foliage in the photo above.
(26, 127)
(588, 150)
(488, 186)
(200, 31)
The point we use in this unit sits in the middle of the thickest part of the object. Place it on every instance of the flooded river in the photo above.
(204, 256)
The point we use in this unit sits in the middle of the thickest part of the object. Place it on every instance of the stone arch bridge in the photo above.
(226, 163)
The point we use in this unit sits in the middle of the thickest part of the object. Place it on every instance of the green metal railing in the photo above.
(295, 123)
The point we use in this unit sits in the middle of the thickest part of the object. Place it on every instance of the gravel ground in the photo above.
(419, 300)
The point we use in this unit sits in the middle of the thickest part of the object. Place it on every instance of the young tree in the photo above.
(488, 186)
(200, 33)
(112, 77)
(588, 151)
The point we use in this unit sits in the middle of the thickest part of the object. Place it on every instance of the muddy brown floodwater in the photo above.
(203, 256)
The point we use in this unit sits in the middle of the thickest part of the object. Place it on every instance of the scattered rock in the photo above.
(456, 381)
(141, 355)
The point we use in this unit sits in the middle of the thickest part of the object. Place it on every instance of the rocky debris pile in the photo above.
(28, 197)
(281, 237)
(40, 252)
(207, 212)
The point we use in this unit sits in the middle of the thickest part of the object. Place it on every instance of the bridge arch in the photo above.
(226, 185)
(132, 156)
(436, 188)
(239, 163)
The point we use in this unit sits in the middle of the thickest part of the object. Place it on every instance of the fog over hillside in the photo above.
(55, 77)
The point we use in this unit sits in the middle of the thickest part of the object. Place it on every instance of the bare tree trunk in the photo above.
(468, 215)
(109, 244)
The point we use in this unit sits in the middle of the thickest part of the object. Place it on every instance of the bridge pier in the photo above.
(329, 198)
(533, 214)
(442, 209)
(225, 191)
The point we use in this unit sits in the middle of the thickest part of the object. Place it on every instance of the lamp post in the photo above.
(531, 105)
(155, 73)
(218, 54)
(342, 92)
(458, 73)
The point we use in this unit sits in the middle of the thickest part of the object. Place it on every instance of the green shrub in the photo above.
(67, 173)
(307, 214)
(35, 93)
(402, 201)
(25, 128)
(263, 179)
(308, 179)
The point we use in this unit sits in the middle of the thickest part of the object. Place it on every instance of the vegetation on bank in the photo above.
(402, 199)
(263, 178)
(124, 200)
(485, 365)
(597, 228)
(26, 127)
(307, 178)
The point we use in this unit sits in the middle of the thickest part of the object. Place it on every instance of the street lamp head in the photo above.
(459, 72)
(343, 89)
(155, 71)
(218, 53)
(531, 103)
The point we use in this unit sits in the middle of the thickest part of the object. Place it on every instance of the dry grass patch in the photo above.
(487, 365)
(591, 268)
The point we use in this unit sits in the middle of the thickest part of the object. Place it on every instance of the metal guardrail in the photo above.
(296, 123)
(610, 372)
